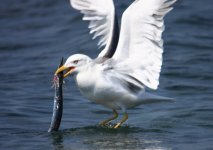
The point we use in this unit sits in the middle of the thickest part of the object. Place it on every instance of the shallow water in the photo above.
(34, 35)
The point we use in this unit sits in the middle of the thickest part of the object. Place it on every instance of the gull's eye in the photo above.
(75, 61)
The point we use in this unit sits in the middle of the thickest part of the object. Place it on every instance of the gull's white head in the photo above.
(75, 64)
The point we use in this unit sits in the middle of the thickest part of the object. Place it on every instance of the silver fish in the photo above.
(58, 101)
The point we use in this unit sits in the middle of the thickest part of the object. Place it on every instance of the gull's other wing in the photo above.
(102, 23)
(140, 46)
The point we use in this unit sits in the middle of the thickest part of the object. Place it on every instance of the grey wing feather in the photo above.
(102, 23)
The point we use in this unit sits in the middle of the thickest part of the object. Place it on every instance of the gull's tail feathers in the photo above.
(148, 98)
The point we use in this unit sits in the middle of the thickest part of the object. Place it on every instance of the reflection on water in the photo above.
(57, 140)
(105, 138)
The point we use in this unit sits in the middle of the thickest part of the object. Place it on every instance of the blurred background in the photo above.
(34, 35)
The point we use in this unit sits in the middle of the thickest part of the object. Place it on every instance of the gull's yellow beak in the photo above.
(63, 68)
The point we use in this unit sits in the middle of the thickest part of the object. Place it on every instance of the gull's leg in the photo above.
(122, 121)
(115, 115)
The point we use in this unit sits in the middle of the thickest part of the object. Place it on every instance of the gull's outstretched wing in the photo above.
(103, 23)
(140, 47)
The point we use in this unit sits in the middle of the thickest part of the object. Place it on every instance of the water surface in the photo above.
(34, 35)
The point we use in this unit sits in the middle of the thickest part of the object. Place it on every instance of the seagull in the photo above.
(131, 57)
